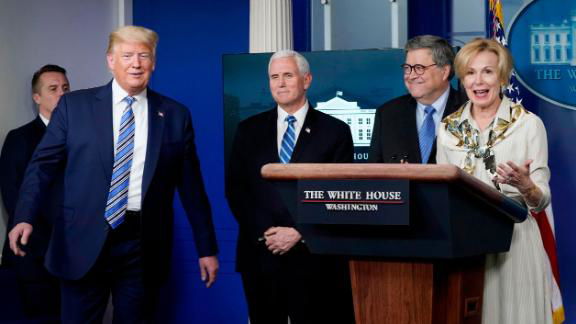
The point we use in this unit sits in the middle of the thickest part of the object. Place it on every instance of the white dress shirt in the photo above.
(282, 124)
(44, 120)
(140, 110)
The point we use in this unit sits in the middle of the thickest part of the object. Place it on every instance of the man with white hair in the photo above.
(281, 278)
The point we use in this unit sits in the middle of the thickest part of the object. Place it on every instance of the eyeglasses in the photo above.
(419, 69)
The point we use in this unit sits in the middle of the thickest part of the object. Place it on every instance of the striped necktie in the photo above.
(118, 194)
(289, 140)
(427, 134)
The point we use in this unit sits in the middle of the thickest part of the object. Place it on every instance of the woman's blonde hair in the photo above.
(475, 47)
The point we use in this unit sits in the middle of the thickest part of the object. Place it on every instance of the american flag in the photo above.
(497, 33)
(545, 218)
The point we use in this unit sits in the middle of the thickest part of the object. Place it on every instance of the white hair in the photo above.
(301, 61)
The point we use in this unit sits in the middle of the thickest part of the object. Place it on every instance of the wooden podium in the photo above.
(428, 271)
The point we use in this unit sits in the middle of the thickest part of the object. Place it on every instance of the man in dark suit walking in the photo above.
(124, 150)
(281, 278)
(405, 127)
(39, 291)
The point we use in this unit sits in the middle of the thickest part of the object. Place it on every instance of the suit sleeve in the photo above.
(46, 164)
(194, 198)
(344, 152)
(235, 179)
(12, 166)
(537, 144)
(244, 200)
(375, 154)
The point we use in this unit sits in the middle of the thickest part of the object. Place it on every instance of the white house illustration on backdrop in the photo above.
(554, 44)
(360, 120)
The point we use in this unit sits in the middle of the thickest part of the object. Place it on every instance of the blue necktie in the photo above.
(288, 141)
(427, 134)
(118, 194)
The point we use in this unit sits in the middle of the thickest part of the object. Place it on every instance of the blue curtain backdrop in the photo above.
(302, 25)
(193, 37)
(430, 17)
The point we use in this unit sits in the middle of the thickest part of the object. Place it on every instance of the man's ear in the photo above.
(110, 61)
(307, 80)
(36, 98)
(446, 73)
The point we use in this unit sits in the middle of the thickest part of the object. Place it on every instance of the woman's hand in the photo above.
(518, 176)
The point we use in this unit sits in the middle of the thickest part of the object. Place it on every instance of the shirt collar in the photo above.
(300, 114)
(502, 112)
(44, 119)
(439, 104)
(118, 94)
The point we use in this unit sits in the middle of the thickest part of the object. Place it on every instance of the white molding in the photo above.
(270, 25)
(125, 14)
(327, 24)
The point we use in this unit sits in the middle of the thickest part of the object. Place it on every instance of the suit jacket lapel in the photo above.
(305, 135)
(155, 131)
(102, 116)
(39, 129)
(272, 135)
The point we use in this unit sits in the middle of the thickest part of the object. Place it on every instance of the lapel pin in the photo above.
(307, 130)
(161, 114)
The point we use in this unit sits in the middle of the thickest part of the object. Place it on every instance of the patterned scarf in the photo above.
(469, 137)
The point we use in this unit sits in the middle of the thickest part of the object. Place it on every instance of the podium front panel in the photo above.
(445, 222)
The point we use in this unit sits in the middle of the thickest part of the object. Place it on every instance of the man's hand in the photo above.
(19, 235)
(208, 269)
(280, 240)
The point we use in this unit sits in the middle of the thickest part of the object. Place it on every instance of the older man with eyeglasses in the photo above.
(405, 127)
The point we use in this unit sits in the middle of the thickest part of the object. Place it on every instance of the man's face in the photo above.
(132, 65)
(429, 86)
(287, 85)
(51, 86)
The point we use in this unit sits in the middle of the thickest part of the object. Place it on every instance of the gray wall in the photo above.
(358, 24)
(361, 24)
(70, 33)
(510, 8)
(468, 21)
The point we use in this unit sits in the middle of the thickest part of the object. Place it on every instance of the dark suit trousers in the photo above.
(304, 298)
(118, 271)
(38, 290)
(39, 296)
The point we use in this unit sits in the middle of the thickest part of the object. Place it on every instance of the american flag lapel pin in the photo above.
(307, 130)
(160, 114)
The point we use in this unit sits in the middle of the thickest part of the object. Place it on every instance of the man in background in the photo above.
(405, 127)
(281, 278)
(39, 290)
